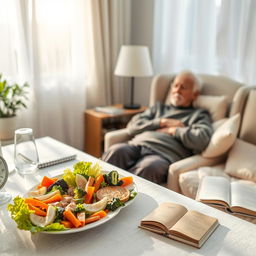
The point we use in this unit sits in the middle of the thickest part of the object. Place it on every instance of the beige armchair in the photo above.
(212, 85)
(184, 176)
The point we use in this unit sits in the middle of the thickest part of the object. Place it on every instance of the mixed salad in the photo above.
(78, 197)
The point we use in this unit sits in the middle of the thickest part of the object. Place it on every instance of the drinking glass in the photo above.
(25, 151)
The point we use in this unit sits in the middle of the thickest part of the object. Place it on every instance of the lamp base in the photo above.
(131, 106)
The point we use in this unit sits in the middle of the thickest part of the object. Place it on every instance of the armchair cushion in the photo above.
(216, 105)
(223, 138)
(241, 161)
(217, 170)
(186, 165)
(189, 181)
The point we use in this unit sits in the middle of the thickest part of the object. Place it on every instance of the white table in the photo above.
(121, 235)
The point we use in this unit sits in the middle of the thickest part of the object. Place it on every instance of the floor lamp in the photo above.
(133, 61)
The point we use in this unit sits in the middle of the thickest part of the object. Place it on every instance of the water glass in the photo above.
(25, 151)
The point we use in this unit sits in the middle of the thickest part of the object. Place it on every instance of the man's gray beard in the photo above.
(177, 102)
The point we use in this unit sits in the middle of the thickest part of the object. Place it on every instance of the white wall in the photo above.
(142, 12)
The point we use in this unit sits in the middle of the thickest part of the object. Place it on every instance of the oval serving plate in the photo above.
(109, 216)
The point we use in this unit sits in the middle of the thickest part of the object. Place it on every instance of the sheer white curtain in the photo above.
(66, 50)
(108, 28)
(57, 50)
(215, 37)
(45, 45)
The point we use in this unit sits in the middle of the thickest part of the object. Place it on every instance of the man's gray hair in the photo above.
(196, 78)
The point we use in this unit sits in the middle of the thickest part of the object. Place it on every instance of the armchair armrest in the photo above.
(186, 165)
(114, 137)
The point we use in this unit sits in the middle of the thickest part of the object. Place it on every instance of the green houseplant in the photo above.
(12, 98)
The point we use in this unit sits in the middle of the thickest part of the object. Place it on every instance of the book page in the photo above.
(194, 227)
(243, 196)
(215, 190)
(163, 217)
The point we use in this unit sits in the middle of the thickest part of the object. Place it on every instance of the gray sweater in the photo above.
(188, 140)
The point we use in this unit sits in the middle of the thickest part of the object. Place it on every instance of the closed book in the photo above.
(109, 110)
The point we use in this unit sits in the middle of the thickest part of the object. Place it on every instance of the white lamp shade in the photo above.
(134, 61)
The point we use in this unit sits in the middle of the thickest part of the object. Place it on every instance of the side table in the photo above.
(98, 123)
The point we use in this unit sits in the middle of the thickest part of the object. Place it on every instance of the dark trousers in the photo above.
(138, 160)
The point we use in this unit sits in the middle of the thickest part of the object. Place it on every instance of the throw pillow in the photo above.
(217, 124)
(223, 138)
(216, 105)
(241, 162)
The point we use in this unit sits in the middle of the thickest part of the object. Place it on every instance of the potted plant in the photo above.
(12, 99)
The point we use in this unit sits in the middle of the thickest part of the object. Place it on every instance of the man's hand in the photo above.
(170, 122)
(168, 130)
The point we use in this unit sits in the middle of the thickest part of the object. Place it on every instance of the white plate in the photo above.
(109, 216)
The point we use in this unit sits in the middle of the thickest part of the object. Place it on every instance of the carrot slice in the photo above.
(37, 210)
(91, 219)
(46, 181)
(36, 203)
(55, 198)
(101, 213)
(67, 224)
(89, 195)
(98, 181)
(126, 181)
(72, 218)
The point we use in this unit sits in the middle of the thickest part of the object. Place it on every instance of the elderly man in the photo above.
(164, 133)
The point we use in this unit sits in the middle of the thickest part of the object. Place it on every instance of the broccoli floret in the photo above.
(79, 208)
(115, 203)
(59, 214)
(79, 193)
(57, 187)
(132, 194)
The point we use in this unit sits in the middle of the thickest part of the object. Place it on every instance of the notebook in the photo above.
(50, 152)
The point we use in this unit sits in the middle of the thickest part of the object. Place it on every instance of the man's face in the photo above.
(182, 93)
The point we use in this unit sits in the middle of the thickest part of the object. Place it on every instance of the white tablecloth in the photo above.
(121, 235)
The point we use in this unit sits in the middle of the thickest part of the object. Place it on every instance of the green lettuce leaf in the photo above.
(54, 227)
(69, 177)
(87, 169)
(20, 214)
(82, 168)
(95, 170)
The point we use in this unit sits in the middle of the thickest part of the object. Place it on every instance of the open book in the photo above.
(176, 222)
(235, 197)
